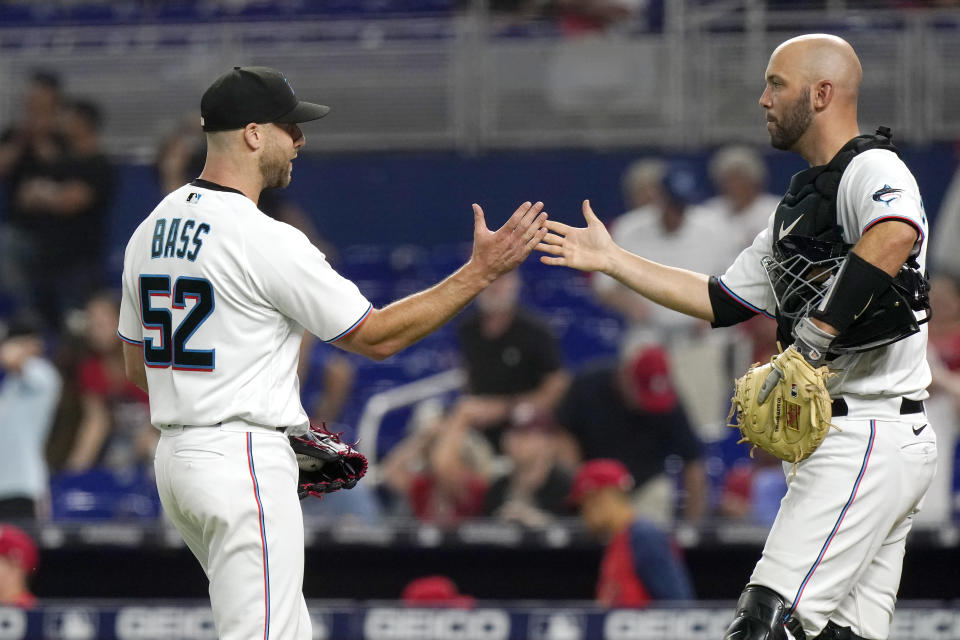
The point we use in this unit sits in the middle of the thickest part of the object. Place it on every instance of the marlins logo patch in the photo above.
(887, 195)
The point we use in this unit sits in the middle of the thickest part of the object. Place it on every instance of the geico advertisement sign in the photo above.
(144, 623)
(148, 623)
(13, 623)
(436, 624)
(709, 624)
(688, 624)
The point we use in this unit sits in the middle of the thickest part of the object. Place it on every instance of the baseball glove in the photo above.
(326, 463)
(794, 418)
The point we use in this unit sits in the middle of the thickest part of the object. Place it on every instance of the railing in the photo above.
(377, 407)
(478, 81)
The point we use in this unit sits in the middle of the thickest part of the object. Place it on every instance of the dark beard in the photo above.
(793, 124)
(275, 176)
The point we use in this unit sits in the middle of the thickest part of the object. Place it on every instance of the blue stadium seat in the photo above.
(102, 495)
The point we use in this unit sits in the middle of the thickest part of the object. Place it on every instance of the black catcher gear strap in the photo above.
(761, 615)
(858, 285)
(728, 310)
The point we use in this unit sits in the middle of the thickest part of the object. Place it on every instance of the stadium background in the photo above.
(437, 104)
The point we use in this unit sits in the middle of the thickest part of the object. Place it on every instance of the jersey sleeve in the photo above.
(296, 278)
(130, 329)
(745, 281)
(877, 186)
(656, 564)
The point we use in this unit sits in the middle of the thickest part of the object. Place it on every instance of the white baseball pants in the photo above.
(231, 491)
(835, 551)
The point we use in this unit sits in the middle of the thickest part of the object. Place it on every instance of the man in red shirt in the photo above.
(18, 560)
(640, 565)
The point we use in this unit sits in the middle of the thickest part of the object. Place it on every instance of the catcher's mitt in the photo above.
(326, 463)
(795, 417)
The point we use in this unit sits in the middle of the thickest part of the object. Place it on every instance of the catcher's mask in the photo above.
(802, 270)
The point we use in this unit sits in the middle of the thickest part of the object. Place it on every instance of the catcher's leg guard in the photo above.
(759, 616)
(834, 632)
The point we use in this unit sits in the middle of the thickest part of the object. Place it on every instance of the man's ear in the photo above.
(822, 95)
(253, 135)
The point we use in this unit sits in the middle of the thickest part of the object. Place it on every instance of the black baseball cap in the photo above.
(253, 94)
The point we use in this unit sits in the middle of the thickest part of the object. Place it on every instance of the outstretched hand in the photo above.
(496, 252)
(584, 248)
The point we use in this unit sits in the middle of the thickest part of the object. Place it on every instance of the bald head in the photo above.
(819, 57)
(810, 98)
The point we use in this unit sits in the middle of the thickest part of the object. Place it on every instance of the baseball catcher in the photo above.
(327, 464)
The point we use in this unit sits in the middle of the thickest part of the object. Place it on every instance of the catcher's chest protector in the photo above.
(809, 207)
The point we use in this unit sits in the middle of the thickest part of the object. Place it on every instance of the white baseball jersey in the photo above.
(218, 295)
(875, 186)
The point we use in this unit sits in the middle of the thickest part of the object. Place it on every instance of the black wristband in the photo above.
(858, 285)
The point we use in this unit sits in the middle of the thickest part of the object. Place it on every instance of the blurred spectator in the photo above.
(513, 361)
(337, 373)
(35, 138)
(28, 148)
(358, 506)
(58, 201)
(642, 183)
(944, 326)
(440, 470)
(743, 208)
(114, 430)
(943, 406)
(640, 565)
(945, 235)
(180, 154)
(629, 411)
(536, 488)
(435, 591)
(28, 397)
(18, 561)
(752, 490)
(671, 231)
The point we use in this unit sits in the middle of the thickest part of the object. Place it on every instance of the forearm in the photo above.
(9, 154)
(678, 289)
(446, 458)
(695, 484)
(91, 435)
(886, 247)
(402, 323)
(133, 365)
(395, 470)
(550, 391)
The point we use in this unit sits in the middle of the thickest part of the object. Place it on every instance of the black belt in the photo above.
(907, 406)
